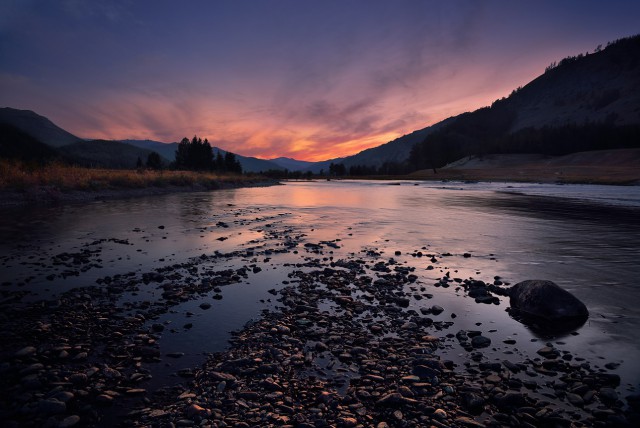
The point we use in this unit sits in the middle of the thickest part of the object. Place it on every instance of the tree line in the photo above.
(197, 155)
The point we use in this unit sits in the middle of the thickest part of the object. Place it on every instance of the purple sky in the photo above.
(307, 79)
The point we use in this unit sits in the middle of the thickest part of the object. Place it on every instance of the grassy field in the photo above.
(21, 177)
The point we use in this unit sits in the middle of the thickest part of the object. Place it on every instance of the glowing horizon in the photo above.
(312, 81)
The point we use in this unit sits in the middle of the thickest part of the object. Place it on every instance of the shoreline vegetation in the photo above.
(26, 184)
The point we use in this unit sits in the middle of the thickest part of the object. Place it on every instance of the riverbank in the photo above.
(343, 347)
(611, 167)
(55, 183)
(363, 311)
(619, 176)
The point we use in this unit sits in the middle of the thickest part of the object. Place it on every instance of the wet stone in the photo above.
(51, 406)
(436, 310)
(27, 351)
(480, 341)
(69, 421)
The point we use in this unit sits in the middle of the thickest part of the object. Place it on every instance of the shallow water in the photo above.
(584, 238)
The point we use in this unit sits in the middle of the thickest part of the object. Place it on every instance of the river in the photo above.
(584, 238)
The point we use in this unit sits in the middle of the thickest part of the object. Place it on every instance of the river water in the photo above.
(584, 238)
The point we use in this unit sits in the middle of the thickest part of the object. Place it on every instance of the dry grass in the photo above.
(19, 176)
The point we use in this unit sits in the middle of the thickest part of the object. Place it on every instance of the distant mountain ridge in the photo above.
(583, 103)
(93, 153)
(396, 151)
(291, 164)
(104, 154)
(166, 150)
(39, 127)
(598, 87)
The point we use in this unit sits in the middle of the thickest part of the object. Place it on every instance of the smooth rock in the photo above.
(547, 301)
(440, 414)
(480, 341)
(69, 421)
(52, 406)
(27, 351)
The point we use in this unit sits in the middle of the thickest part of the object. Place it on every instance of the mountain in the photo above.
(396, 151)
(251, 164)
(28, 136)
(601, 88)
(18, 145)
(166, 150)
(323, 166)
(598, 87)
(583, 103)
(39, 127)
(292, 164)
(104, 154)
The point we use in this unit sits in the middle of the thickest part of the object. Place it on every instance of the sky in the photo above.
(308, 79)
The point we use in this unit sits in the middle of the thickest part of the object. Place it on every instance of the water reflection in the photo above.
(588, 248)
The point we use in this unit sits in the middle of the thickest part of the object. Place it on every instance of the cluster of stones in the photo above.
(345, 348)
(64, 361)
(369, 361)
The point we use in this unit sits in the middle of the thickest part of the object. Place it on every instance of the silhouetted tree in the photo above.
(337, 169)
(154, 161)
(195, 155)
(182, 154)
(231, 164)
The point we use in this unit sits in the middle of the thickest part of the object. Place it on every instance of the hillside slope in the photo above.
(39, 127)
(396, 151)
(251, 164)
(104, 154)
(166, 150)
(602, 86)
(291, 164)
(16, 144)
(618, 166)
(587, 102)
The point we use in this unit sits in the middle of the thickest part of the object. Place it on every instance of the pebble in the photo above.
(69, 421)
(440, 414)
(52, 406)
(27, 351)
(480, 341)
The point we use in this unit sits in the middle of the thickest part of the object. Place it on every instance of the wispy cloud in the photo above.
(310, 80)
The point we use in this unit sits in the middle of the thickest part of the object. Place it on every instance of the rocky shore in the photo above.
(352, 341)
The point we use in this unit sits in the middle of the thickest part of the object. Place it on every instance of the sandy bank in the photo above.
(619, 167)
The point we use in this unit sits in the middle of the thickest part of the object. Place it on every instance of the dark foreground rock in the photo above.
(547, 303)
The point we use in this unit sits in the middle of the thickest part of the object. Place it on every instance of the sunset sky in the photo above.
(311, 80)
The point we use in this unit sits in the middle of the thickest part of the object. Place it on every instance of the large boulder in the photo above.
(547, 302)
